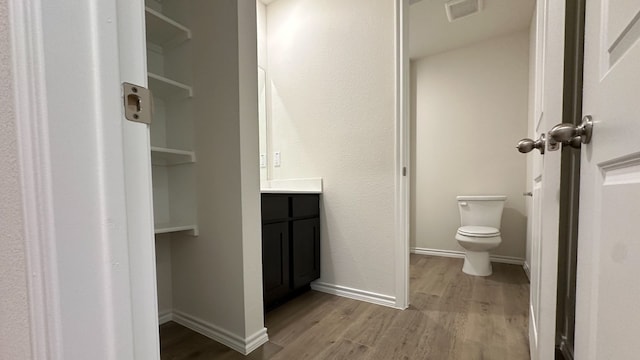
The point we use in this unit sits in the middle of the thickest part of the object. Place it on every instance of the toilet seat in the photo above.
(478, 231)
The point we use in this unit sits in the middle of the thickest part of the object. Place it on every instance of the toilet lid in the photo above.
(478, 231)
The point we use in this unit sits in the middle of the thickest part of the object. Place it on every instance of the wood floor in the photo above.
(452, 316)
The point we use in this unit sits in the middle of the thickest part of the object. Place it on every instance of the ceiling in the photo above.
(430, 32)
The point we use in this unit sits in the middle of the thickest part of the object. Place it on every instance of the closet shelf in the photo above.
(164, 31)
(166, 157)
(166, 88)
(169, 228)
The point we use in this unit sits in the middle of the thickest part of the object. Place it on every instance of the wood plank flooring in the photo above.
(452, 316)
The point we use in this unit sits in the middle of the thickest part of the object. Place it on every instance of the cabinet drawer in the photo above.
(305, 205)
(275, 207)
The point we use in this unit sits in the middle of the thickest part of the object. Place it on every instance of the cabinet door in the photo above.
(305, 242)
(275, 261)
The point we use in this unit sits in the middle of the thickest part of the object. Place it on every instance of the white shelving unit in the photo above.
(166, 88)
(169, 67)
(164, 31)
(168, 157)
(171, 228)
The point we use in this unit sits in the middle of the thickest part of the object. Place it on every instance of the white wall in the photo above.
(15, 336)
(163, 274)
(331, 71)
(469, 109)
(217, 276)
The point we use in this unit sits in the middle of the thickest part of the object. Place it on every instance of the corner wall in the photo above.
(217, 276)
(469, 107)
(331, 70)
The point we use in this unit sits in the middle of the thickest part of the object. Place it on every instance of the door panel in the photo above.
(275, 261)
(607, 320)
(137, 159)
(535, 259)
(548, 111)
(619, 249)
(306, 251)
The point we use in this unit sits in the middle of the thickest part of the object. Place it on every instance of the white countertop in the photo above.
(292, 186)
(288, 191)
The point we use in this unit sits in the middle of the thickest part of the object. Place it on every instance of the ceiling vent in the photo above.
(457, 9)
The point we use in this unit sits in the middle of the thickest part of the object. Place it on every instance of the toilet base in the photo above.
(477, 263)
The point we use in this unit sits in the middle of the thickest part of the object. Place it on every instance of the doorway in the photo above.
(469, 95)
(469, 105)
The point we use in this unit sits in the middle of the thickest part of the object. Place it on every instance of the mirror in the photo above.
(262, 122)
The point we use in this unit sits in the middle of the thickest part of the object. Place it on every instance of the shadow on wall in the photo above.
(513, 221)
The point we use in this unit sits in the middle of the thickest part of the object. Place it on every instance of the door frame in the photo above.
(136, 145)
(37, 209)
(402, 170)
(119, 287)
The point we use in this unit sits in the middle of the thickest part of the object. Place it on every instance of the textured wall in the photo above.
(15, 339)
(469, 108)
(331, 71)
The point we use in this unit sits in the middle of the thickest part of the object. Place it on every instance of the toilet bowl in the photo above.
(479, 231)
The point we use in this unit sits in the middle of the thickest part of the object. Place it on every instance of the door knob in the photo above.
(572, 135)
(526, 145)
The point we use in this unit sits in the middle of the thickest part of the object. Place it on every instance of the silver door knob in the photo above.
(572, 135)
(526, 145)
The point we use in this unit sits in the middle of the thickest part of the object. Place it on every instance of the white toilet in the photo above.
(480, 218)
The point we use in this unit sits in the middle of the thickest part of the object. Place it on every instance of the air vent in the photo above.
(457, 9)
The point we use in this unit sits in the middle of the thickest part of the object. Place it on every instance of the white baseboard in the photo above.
(237, 343)
(460, 254)
(527, 270)
(165, 316)
(355, 294)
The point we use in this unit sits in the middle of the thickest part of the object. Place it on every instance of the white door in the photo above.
(608, 290)
(548, 90)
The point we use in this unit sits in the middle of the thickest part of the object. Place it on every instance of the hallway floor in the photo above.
(452, 316)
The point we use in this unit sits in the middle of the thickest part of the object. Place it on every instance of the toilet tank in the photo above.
(481, 210)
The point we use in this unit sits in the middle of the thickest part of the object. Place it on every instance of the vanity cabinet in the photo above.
(290, 245)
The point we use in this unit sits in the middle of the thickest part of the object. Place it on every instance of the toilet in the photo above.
(479, 231)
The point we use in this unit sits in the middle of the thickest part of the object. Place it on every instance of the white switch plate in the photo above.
(276, 159)
(263, 160)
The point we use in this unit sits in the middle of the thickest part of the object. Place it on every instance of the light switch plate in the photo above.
(276, 159)
(263, 160)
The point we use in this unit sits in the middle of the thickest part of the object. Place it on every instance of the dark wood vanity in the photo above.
(290, 245)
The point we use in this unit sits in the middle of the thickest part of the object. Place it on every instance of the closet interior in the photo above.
(172, 132)
(205, 174)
